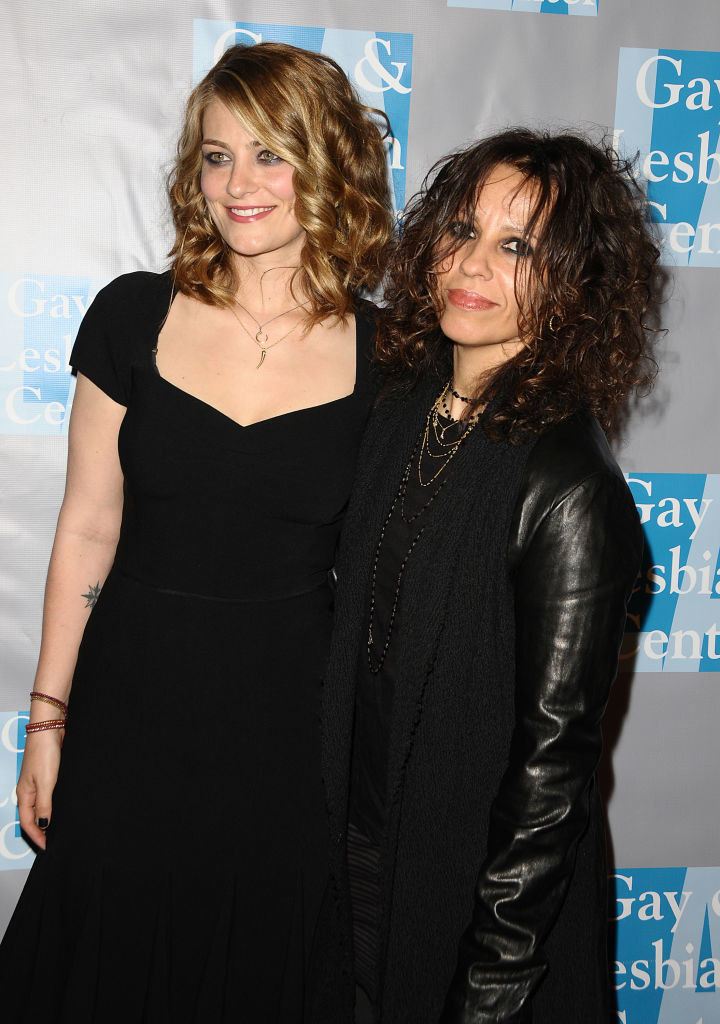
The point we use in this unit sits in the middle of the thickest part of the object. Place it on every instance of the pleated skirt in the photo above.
(186, 858)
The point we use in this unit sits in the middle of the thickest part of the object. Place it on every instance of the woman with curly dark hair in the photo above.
(217, 417)
(489, 550)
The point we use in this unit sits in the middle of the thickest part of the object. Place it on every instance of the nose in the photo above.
(474, 261)
(242, 180)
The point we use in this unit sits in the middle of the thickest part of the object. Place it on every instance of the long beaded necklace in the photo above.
(261, 337)
(375, 662)
(375, 666)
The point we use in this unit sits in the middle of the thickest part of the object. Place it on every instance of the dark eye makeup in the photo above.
(461, 229)
(265, 156)
(519, 246)
(215, 157)
(262, 156)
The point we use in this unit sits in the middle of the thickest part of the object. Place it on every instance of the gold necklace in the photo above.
(375, 654)
(433, 428)
(261, 338)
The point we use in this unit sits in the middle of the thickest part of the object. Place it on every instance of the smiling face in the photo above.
(249, 191)
(478, 282)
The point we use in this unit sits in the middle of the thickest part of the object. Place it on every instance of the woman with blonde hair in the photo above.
(216, 421)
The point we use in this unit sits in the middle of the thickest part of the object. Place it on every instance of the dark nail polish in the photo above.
(43, 822)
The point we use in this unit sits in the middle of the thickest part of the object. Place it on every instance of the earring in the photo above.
(553, 327)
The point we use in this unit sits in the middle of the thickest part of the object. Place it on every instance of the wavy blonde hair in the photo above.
(300, 106)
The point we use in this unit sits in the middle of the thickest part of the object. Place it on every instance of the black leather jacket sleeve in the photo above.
(576, 551)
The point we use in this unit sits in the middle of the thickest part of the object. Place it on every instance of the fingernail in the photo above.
(43, 822)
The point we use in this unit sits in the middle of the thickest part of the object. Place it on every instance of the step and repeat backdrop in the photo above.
(90, 110)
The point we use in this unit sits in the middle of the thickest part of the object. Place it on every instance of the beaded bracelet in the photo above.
(47, 699)
(52, 723)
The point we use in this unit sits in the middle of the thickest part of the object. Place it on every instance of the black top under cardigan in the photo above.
(493, 870)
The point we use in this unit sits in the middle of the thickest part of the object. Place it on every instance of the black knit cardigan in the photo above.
(450, 738)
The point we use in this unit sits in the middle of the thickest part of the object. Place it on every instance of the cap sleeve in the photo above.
(99, 353)
(120, 330)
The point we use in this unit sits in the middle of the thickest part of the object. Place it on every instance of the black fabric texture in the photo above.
(187, 854)
(493, 905)
(375, 689)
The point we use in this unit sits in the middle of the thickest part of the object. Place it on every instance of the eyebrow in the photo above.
(217, 142)
(507, 226)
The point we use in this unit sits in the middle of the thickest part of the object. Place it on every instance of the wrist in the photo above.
(52, 725)
(42, 748)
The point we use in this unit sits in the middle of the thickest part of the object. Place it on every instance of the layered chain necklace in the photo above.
(261, 337)
(432, 445)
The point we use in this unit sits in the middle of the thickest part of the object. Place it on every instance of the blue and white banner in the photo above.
(588, 8)
(379, 65)
(666, 966)
(39, 318)
(674, 612)
(14, 851)
(668, 111)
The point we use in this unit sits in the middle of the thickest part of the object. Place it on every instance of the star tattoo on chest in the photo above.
(92, 595)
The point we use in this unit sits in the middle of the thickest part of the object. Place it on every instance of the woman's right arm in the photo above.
(83, 552)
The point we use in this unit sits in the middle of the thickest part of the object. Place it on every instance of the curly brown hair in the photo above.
(591, 278)
(300, 105)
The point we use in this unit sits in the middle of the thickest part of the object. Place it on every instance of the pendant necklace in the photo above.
(261, 338)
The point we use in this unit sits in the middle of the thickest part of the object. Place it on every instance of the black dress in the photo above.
(186, 858)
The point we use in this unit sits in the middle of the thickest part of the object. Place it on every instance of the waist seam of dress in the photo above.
(319, 584)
